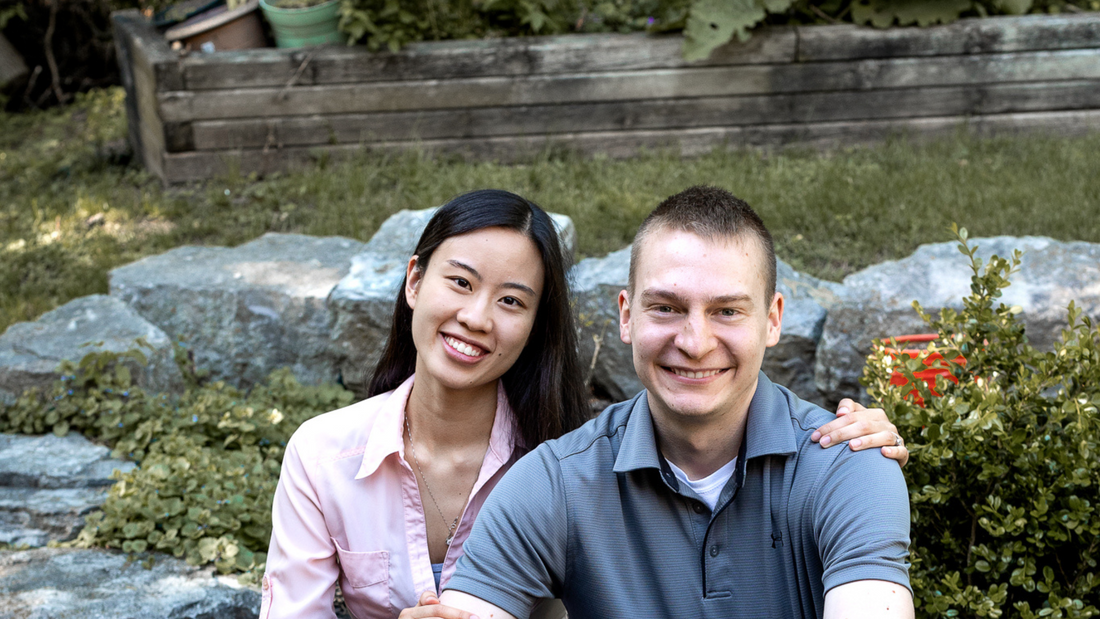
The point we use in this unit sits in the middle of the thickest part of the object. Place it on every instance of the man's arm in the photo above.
(861, 524)
(516, 554)
(479, 607)
(870, 599)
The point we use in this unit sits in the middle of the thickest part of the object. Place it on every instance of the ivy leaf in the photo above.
(714, 23)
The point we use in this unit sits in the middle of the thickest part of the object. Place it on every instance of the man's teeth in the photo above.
(688, 374)
(463, 347)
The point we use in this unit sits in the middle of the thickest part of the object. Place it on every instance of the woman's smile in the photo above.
(467, 351)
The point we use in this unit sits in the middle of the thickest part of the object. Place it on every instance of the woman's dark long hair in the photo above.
(545, 387)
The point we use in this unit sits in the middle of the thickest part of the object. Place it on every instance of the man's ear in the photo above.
(624, 316)
(413, 275)
(775, 319)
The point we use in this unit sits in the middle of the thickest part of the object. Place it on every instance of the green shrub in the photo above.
(1004, 475)
(706, 24)
(208, 460)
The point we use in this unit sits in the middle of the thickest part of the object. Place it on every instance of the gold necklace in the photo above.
(412, 446)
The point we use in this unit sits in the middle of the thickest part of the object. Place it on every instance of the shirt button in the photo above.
(266, 585)
(714, 550)
(698, 507)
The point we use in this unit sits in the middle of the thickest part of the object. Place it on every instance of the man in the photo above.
(703, 496)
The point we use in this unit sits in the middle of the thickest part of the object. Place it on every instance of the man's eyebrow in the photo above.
(652, 295)
(477, 276)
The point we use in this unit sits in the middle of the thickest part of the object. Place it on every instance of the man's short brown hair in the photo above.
(711, 213)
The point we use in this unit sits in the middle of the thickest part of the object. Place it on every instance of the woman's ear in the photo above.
(413, 274)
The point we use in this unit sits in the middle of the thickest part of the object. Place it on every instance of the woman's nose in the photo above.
(476, 315)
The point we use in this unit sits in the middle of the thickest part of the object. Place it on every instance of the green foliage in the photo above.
(208, 460)
(706, 24)
(1004, 480)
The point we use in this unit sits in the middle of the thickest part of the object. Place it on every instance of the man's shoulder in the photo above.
(604, 429)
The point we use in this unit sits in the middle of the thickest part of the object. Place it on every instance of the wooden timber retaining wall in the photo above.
(263, 110)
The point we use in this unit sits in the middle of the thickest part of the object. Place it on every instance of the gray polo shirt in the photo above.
(598, 519)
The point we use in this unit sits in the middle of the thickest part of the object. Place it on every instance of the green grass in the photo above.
(831, 214)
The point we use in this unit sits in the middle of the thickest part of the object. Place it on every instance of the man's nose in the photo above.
(695, 338)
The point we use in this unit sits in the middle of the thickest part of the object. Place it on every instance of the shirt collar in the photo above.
(767, 431)
(387, 435)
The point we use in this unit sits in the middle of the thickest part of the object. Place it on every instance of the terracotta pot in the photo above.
(220, 29)
(929, 375)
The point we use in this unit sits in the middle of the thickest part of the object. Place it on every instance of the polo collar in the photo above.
(387, 434)
(768, 431)
(638, 449)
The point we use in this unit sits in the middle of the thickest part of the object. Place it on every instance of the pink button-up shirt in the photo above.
(348, 507)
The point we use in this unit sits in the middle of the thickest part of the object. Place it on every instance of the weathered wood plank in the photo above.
(479, 58)
(147, 64)
(603, 53)
(182, 167)
(967, 36)
(655, 114)
(637, 85)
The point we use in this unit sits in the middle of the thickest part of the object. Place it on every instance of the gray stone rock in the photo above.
(48, 484)
(247, 310)
(49, 583)
(363, 300)
(876, 302)
(397, 236)
(806, 299)
(31, 351)
(596, 285)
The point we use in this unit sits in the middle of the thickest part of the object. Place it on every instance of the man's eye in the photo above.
(664, 309)
(729, 313)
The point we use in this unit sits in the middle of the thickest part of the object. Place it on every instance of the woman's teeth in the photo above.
(688, 374)
(463, 347)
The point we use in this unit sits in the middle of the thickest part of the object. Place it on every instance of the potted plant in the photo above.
(233, 24)
(298, 23)
(933, 361)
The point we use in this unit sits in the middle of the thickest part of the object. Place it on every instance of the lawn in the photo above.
(70, 210)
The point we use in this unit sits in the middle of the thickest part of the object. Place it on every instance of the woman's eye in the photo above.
(512, 301)
(461, 282)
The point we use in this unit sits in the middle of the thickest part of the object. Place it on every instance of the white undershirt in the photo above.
(710, 487)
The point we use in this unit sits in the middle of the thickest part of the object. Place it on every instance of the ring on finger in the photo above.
(898, 441)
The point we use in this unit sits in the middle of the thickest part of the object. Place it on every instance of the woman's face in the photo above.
(474, 306)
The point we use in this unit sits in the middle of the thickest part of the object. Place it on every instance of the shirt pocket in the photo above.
(368, 574)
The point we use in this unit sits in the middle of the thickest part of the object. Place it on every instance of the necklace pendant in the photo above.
(450, 538)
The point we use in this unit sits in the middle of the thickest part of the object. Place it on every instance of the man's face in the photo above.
(698, 323)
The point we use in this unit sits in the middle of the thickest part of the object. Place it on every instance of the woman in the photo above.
(479, 368)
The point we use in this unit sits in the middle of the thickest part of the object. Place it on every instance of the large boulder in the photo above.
(877, 301)
(101, 584)
(48, 484)
(596, 286)
(31, 351)
(248, 310)
(806, 301)
(363, 300)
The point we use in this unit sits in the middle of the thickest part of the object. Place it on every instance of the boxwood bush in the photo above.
(1004, 473)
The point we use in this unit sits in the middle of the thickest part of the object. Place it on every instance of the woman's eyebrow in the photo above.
(466, 267)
